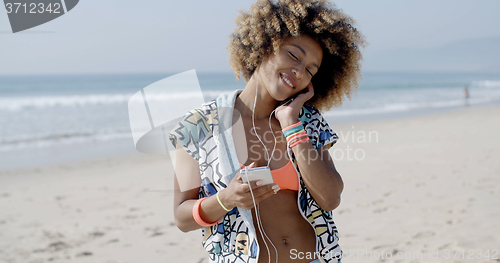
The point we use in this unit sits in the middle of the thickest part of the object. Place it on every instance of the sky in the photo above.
(173, 36)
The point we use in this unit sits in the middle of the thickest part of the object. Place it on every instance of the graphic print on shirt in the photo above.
(230, 239)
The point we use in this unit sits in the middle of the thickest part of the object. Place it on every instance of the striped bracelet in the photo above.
(292, 126)
(299, 135)
(292, 131)
(299, 141)
(295, 134)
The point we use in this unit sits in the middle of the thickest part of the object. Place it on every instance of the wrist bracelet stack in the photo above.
(295, 134)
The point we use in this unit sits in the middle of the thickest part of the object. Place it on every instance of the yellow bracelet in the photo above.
(221, 204)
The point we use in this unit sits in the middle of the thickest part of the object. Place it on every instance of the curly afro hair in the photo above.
(268, 23)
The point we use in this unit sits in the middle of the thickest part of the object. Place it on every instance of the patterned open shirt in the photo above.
(206, 134)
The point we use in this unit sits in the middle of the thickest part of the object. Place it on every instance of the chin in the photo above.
(280, 97)
(282, 94)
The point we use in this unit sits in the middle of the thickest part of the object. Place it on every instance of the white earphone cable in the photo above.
(257, 210)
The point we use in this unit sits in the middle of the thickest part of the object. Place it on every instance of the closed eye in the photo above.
(296, 58)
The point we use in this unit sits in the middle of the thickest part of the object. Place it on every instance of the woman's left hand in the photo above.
(289, 114)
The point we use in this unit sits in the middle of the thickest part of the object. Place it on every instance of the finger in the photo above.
(256, 184)
(266, 189)
(261, 194)
(308, 94)
(245, 187)
(310, 85)
(298, 101)
(238, 178)
(242, 172)
(302, 97)
(310, 91)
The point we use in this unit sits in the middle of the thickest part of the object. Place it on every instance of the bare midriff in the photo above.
(287, 229)
(280, 216)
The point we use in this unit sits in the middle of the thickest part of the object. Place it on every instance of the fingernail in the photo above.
(275, 188)
(259, 182)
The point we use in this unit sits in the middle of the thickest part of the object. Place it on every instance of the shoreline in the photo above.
(110, 151)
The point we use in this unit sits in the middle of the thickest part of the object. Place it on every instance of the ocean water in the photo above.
(56, 118)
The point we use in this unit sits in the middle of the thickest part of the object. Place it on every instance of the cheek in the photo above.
(270, 72)
(304, 83)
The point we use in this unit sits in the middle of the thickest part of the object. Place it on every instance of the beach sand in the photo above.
(419, 184)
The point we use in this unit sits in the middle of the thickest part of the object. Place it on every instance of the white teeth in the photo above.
(287, 81)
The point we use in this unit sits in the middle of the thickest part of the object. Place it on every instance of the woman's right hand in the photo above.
(237, 193)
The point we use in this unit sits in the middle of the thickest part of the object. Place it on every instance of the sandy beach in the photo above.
(424, 188)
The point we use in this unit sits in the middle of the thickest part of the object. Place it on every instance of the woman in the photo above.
(305, 50)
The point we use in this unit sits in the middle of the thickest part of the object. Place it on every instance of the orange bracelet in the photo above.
(299, 141)
(292, 126)
(296, 136)
(197, 216)
(291, 142)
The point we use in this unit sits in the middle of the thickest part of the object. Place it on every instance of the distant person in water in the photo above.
(466, 90)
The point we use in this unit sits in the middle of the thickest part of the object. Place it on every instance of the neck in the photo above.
(265, 103)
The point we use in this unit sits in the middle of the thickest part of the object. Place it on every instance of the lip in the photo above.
(285, 76)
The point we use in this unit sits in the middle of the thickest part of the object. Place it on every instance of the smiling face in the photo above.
(291, 70)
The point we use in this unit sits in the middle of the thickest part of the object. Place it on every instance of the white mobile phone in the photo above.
(258, 173)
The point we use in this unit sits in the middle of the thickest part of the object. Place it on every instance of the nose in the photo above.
(298, 72)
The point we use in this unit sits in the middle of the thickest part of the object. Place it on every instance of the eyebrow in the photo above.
(297, 46)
